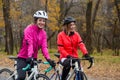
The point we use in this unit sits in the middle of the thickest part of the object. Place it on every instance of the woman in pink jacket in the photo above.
(35, 38)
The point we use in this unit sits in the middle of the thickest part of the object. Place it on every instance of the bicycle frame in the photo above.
(34, 73)
(77, 69)
(71, 73)
(74, 71)
(34, 70)
(13, 75)
(56, 74)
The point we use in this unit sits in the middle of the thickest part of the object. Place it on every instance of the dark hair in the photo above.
(35, 19)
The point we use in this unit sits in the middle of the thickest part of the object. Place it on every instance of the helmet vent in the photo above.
(39, 13)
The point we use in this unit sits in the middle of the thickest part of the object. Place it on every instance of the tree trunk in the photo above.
(95, 13)
(117, 8)
(8, 29)
(116, 31)
(89, 27)
(92, 23)
(90, 20)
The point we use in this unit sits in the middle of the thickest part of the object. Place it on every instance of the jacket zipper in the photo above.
(72, 44)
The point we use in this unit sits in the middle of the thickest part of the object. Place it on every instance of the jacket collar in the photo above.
(71, 33)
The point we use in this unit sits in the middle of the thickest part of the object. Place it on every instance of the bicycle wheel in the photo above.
(80, 76)
(5, 74)
(84, 76)
(42, 77)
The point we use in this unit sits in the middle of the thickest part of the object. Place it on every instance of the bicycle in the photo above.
(7, 74)
(56, 75)
(76, 73)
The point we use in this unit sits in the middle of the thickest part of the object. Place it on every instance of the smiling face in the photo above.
(40, 22)
(71, 27)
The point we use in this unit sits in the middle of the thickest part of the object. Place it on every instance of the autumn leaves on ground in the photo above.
(106, 67)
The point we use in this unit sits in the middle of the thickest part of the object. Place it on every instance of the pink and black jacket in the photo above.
(33, 40)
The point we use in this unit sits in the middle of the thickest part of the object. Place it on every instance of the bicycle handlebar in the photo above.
(49, 68)
(91, 63)
(26, 68)
(39, 61)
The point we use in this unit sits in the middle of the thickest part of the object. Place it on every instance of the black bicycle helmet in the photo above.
(68, 20)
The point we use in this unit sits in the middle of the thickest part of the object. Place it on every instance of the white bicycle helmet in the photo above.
(41, 14)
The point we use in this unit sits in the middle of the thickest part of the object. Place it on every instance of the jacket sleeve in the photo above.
(82, 45)
(61, 46)
(29, 41)
(44, 47)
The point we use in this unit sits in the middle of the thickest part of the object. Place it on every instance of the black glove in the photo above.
(68, 56)
(52, 63)
(87, 56)
(29, 60)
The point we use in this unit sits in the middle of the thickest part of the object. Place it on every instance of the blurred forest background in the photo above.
(98, 22)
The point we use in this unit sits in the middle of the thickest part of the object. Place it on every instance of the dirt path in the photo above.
(100, 78)
(90, 77)
(100, 71)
